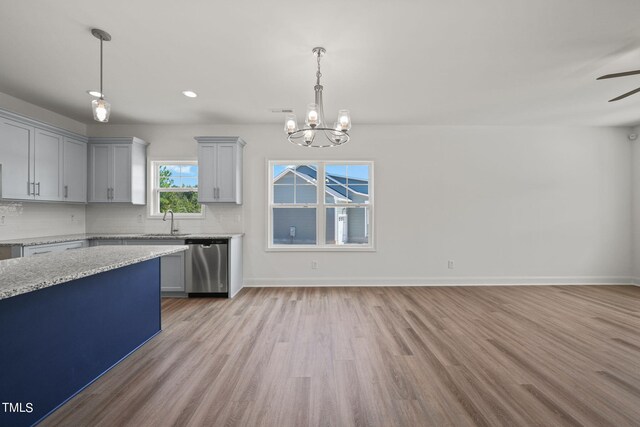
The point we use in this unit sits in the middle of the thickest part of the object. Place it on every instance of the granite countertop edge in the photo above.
(46, 240)
(8, 291)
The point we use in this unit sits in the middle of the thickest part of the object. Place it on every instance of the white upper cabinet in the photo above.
(74, 180)
(33, 164)
(16, 160)
(117, 170)
(220, 169)
(47, 161)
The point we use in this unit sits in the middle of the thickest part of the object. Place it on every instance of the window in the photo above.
(175, 187)
(320, 205)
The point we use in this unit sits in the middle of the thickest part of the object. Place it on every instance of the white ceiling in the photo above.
(431, 62)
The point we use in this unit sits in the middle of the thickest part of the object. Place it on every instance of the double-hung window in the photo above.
(174, 186)
(320, 205)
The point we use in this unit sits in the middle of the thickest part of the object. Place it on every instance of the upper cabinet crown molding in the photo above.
(41, 125)
(116, 140)
(221, 139)
(220, 169)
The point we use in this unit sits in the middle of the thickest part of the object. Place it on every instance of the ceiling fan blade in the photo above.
(625, 95)
(612, 76)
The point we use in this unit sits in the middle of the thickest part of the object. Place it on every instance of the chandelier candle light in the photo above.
(314, 134)
(101, 108)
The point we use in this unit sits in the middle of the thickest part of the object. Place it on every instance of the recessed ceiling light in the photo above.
(94, 93)
(189, 93)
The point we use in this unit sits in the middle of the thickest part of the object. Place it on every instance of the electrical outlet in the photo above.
(314, 265)
(451, 264)
(139, 218)
(2, 220)
(73, 217)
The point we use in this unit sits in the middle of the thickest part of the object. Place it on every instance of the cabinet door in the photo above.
(48, 165)
(206, 173)
(16, 160)
(99, 163)
(121, 170)
(225, 169)
(74, 166)
(172, 273)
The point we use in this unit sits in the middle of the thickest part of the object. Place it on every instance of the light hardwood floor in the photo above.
(457, 356)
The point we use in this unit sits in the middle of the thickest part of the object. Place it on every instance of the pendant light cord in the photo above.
(101, 93)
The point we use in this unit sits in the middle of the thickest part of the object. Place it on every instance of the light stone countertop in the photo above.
(32, 241)
(21, 275)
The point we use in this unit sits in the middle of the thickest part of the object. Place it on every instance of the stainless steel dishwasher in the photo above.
(207, 267)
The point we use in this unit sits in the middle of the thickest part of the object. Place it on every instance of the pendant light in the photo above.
(101, 108)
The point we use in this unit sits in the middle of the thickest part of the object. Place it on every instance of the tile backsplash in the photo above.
(34, 219)
(31, 219)
(122, 218)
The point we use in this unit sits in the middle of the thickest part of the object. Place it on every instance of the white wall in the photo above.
(507, 204)
(635, 206)
(19, 106)
(33, 219)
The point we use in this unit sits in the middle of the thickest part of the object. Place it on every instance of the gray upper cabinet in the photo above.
(220, 169)
(47, 169)
(74, 180)
(117, 170)
(32, 160)
(16, 160)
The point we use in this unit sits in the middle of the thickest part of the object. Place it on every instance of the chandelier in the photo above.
(316, 133)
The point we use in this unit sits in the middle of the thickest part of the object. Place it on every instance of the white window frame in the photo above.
(154, 190)
(320, 207)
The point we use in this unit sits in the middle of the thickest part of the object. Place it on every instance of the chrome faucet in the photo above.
(164, 218)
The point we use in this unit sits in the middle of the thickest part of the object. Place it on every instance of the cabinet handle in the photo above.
(29, 184)
(66, 191)
(40, 253)
(38, 184)
(217, 192)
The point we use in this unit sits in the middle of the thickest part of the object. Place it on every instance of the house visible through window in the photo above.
(175, 187)
(320, 204)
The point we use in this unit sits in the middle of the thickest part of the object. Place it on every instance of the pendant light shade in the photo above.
(101, 108)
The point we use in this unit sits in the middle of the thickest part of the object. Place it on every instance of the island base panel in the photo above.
(57, 340)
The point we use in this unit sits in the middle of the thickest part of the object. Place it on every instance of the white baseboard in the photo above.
(635, 281)
(440, 281)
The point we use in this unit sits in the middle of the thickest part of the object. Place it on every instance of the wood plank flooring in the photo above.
(451, 356)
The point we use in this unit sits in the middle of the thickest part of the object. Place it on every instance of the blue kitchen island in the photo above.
(67, 318)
